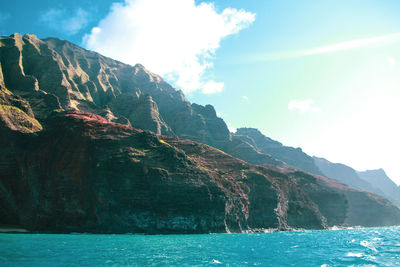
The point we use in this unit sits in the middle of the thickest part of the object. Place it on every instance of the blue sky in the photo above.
(321, 75)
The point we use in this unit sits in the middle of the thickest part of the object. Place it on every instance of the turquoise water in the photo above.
(359, 247)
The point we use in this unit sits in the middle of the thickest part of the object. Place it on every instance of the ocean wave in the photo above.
(311, 248)
(214, 261)
(368, 245)
(355, 254)
(340, 227)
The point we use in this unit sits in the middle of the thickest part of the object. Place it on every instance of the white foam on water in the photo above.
(353, 254)
(214, 261)
(369, 257)
(368, 245)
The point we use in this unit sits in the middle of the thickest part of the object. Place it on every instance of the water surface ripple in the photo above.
(357, 247)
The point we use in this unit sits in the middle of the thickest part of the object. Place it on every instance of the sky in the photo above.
(320, 75)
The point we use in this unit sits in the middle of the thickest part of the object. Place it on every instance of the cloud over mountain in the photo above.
(61, 20)
(175, 38)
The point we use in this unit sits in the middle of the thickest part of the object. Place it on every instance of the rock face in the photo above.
(83, 173)
(73, 159)
(373, 181)
(346, 175)
(52, 74)
(16, 113)
(292, 156)
(381, 181)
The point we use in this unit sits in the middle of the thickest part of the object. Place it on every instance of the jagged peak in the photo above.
(15, 35)
(320, 159)
(139, 66)
(207, 110)
(54, 42)
(15, 38)
(249, 129)
(30, 36)
(152, 77)
(376, 171)
(254, 131)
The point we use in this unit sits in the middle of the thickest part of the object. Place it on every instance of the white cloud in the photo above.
(342, 46)
(303, 106)
(212, 87)
(174, 38)
(231, 128)
(245, 98)
(61, 20)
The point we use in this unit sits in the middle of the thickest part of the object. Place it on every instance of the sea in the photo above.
(338, 247)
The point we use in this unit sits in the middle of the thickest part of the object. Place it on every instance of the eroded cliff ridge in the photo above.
(83, 173)
(52, 74)
(73, 159)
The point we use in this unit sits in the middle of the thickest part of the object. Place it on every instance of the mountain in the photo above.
(345, 175)
(89, 144)
(57, 75)
(83, 173)
(374, 181)
(292, 156)
(380, 180)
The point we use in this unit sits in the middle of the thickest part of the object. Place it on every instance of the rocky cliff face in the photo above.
(379, 180)
(345, 174)
(373, 181)
(53, 75)
(71, 160)
(16, 113)
(292, 156)
(57, 75)
(86, 174)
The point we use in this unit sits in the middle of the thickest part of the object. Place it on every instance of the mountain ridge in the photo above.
(380, 180)
(292, 156)
(83, 173)
(71, 150)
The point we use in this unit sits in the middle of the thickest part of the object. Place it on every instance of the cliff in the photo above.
(380, 180)
(73, 159)
(292, 156)
(346, 175)
(52, 74)
(57, 75)
(83, 173)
